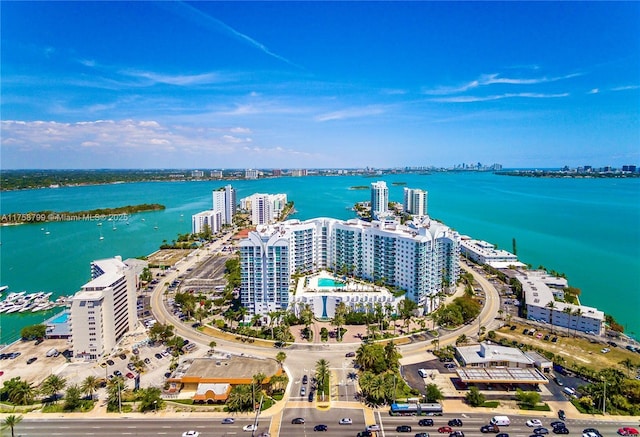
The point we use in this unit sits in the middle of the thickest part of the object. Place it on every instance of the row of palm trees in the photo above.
(566, 310)
(20, 392)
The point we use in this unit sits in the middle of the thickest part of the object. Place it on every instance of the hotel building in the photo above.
(539, 289)
(251, 174)
(420, 258)
(415, 202)
(104, 309)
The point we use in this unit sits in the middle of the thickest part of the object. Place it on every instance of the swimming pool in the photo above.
(327, 282)
(61, 318)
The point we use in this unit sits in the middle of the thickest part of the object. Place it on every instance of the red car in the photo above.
(627, 430)
(445, 429)
(130, 375)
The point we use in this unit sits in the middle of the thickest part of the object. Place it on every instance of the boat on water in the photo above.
(33, 302)
(3, 288)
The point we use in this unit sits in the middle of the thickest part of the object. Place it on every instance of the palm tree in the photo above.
(322, 374)
(435, 343)
(280, 357)
(52, 385)
(90, 385)
(339, 318)
(567, 310)
(364, 357)
(201, 313)
(627, 363)
(10, 422)
(577, 313)
(552, 306)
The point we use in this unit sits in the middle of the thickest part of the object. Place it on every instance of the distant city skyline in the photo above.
(221, 85)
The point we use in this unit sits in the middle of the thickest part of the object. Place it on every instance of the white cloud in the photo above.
(350, 113)
(594, 91)
(625, 88)
(495, 78)
(472, 99)
(240, 130)
(113, 136)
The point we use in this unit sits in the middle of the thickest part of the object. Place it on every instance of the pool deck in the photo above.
(309, 284)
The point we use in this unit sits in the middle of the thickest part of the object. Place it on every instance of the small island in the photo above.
(398, 184)
(359, 187)
(119, 213)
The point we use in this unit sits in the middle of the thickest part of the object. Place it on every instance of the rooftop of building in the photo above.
(226, 369)
(535, 285)
(484, 248)
(486, 352)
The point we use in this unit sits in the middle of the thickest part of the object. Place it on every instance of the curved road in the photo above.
(487, 318)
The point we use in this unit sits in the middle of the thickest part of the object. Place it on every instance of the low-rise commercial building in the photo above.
(540, 288)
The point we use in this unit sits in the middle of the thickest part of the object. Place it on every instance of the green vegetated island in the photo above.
(118, 213)
(359, 187)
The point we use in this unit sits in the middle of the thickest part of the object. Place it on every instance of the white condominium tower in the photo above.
(379, 198)
(224, 200)
(105, 308)
(210, 218)
(421, 258)
(415, 202)
(264, 208)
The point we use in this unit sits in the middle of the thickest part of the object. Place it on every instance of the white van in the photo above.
(500, 421)
(422, 373)
(53, 352)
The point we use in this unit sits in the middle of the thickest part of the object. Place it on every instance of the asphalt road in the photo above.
(211, 427)
(135, 427)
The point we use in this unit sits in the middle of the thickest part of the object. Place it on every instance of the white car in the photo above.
(346, 421)
(374, 427)
(190, 434)
(250, 427)
(533, 423)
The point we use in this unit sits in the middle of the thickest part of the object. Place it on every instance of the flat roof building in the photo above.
(483, 252)
(539, 289)
(421, 258)
(104, 310)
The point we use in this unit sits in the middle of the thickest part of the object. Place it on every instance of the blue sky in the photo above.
(333, 84)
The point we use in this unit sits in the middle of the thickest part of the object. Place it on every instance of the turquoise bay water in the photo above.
(586, 228)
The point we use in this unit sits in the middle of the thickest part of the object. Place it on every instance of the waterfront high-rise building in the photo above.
(264, 208)
(210, 218)
(379, 198)
(251, 174)
(224, 200)
(420, 258)
(415, 202)
(104, 309)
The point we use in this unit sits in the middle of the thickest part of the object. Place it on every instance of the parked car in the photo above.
(561, 415)
(425, 422)
(303, 391)
(111, 362)
(305, 379)
(350, 354)
(31, 360)
(130, 375)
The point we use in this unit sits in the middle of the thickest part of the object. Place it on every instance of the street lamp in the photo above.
(155, 406)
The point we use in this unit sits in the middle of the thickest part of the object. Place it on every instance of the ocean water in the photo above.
(587, 228)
